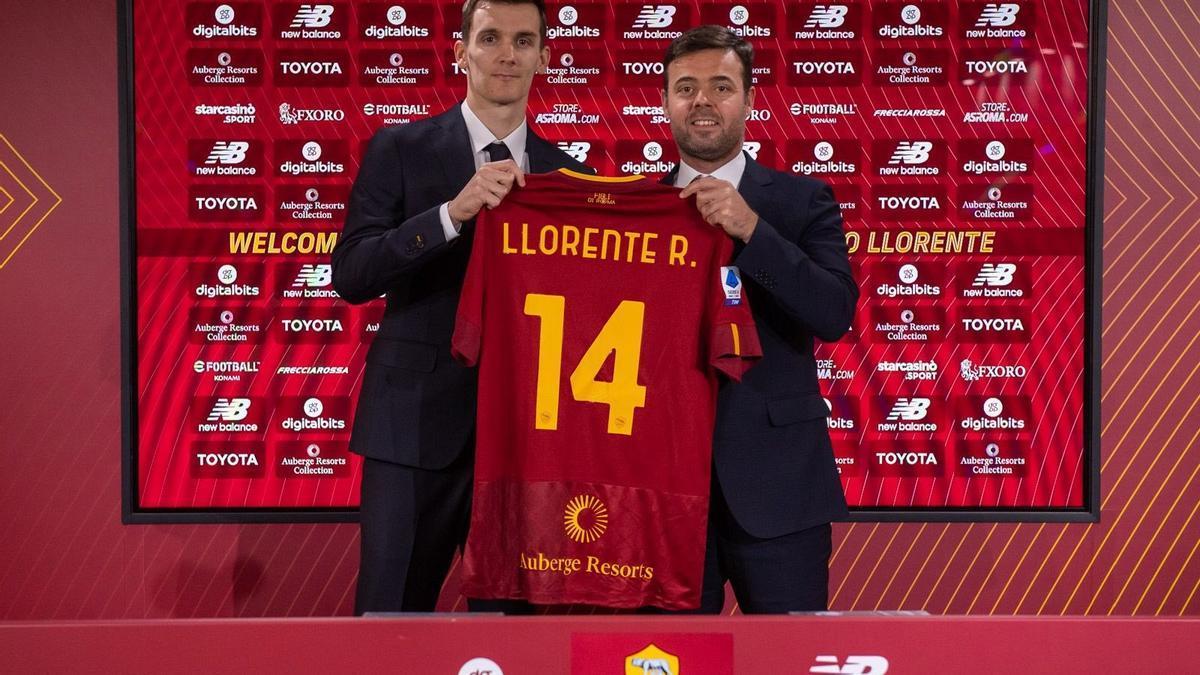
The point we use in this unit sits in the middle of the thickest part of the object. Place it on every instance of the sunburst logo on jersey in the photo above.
(586, 519)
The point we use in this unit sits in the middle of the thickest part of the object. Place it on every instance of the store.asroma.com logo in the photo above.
(655, 16)
(827, 16)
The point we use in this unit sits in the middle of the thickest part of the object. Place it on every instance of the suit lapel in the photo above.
(755, 183)
(452, 147)
(543, 156)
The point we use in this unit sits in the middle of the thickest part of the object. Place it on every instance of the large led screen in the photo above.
(960, 138)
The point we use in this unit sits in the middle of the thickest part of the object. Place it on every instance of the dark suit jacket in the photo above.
(771, 448)
(417, 404)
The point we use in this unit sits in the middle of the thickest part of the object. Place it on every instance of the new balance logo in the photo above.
(998, 15)
(313, 16)
(854, 665)
(752, 148)
(229, 410)
(314, 276)
(228, 152)
(995, 275)
(576, 150)
(911, 152)
(827, 16)
(654, 16)
(909, 410)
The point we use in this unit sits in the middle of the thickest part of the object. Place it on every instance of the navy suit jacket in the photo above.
(417, 404)
(771, 448)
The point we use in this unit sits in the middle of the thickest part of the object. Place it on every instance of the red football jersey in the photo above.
(599, 311)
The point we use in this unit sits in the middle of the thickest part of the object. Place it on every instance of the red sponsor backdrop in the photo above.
(67, 555)
(955, 133)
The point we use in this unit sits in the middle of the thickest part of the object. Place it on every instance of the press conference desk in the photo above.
(443, 643)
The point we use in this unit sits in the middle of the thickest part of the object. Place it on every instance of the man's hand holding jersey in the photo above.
(720, 204)
(490, 184)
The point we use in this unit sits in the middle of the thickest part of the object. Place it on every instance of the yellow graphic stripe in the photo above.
(737, 341)
(601, 179)
(7, 196)
(57, 201)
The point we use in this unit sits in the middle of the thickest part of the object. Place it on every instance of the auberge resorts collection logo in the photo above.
(585, 519)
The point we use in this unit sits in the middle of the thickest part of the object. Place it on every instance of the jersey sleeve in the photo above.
(468, 323)
(733, 345)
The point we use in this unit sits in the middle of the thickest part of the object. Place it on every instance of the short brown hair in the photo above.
(470, 6)
(701, 38)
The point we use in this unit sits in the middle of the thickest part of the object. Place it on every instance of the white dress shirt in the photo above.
(480, 139)
(729, 171)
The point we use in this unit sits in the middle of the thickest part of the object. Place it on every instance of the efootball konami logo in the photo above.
(313, 16)
(655, 16)
(827, 16)
(585, 519)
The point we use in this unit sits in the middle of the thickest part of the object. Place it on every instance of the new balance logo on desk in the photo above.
(853, 665)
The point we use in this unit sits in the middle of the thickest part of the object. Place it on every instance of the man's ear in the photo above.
(460, 55)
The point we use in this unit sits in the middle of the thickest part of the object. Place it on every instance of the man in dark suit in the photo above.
(775, 485)
(408, 234)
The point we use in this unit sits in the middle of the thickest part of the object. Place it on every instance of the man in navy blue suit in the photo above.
(408, 235)
(775, 485)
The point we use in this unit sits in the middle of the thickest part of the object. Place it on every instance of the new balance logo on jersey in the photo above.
(827, 16)
(655, 16)
(229, 410)
(995, 275)
(576, 150)
(313, 16)
(911, 152)
(998, 15)
(909, 409)
(853, 665)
